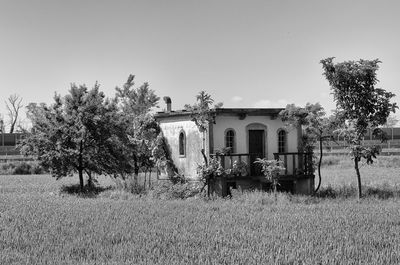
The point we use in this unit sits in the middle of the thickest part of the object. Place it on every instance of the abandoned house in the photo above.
(249, 133)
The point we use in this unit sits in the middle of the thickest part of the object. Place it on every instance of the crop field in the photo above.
(41, 225)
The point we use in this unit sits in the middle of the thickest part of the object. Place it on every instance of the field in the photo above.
(41, 225)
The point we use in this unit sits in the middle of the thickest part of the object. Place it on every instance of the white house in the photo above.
(250, 133)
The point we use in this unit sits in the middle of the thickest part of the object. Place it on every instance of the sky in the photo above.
(244, 53)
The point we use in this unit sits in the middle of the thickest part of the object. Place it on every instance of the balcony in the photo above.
(296, 164)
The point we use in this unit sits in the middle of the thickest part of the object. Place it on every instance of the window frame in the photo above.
(285, 141)
(182, 144)
(233, 139)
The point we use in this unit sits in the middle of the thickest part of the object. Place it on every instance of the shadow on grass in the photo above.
(87, 191)
(385, 192)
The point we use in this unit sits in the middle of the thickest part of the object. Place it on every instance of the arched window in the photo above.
(282, 141)
(182, 143)
(230, 139)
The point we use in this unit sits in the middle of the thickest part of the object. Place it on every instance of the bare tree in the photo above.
(1, 124)
(13, 105)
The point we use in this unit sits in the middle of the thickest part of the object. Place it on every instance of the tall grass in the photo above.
(40, 224)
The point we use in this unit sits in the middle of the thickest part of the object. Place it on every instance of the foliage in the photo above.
(271, 170)
(316, 126)
(77, 133)
(201, 113)
(168, 191)
(210, 171)
(136, 101)
(202, 116)
(144, 144)
(361, 105)
(312, 119)
(21, 168)
(239, 169)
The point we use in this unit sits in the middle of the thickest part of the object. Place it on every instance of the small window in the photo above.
(230, 140)
(282, 141)
(182, 144)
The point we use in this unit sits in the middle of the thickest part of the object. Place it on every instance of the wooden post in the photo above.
(294, 164)
(285, 163)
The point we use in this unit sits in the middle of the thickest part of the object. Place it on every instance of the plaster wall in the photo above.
(222, 123)
(188, 163)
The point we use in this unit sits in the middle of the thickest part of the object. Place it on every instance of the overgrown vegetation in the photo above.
(21, 168)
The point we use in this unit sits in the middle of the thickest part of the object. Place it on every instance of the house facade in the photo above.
(248, 134)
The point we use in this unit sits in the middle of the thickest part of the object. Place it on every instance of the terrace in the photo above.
(245, 173)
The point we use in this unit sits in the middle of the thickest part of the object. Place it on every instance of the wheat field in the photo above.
(41, 225)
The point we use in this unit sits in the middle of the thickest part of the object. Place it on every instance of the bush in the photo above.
(21, 168)
(170, 191)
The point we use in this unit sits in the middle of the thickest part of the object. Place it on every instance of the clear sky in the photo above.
(244, 53)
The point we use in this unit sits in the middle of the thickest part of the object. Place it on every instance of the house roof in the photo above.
(241, 112)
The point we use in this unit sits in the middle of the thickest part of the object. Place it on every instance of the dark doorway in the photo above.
(256, 150)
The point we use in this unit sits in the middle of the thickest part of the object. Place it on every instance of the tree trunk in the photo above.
(90, 180)
(136, 171)
(80, 169)
(150, 179)
(358, 176)
(319, 165)
(136, 176)
(81, 178)
(275, 184)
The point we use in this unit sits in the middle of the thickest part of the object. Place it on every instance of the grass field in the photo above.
(41, 225)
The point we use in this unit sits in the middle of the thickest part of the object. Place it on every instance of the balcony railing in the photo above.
(295, 163)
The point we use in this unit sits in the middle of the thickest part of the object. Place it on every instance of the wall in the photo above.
(271, 144)
(187, 164)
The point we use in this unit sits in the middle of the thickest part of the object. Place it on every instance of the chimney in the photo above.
(168, 102)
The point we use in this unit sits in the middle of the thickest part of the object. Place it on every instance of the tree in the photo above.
(316, 126)
(136, 101)
(139, 125)
(360, 104)
(2, 129)
(77, 134)
(202, 115)
(13, 106)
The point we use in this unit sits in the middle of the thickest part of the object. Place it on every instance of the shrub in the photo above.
(21, 168)
(170, 191)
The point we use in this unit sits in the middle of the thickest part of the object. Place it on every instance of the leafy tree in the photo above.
(77, 134)
(136, 101)
(139, 125)
(201, 110)
(14, 106)
(360, 104)
(202, 115)
(317, 127)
